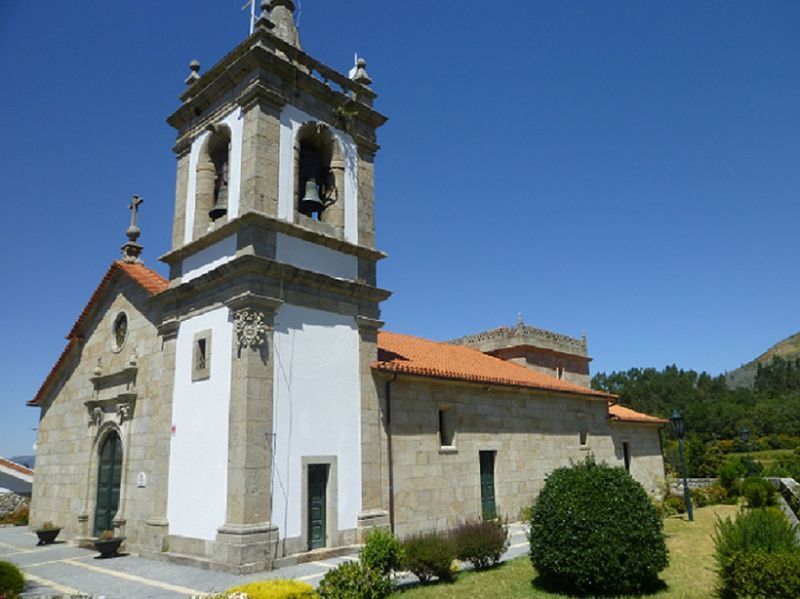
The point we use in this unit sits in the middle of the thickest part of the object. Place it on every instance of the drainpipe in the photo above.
(388, 393)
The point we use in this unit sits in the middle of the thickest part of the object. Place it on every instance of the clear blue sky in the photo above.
(626, 168)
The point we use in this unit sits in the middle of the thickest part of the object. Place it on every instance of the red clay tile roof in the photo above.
(413, 355)
(17, 467)
(623, 414)
(147, 279)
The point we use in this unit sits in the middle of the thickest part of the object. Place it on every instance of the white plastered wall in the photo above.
(209, 258)
(235, 122)
(198, 468)
(316, 410)
(316, 258)
(292, 119)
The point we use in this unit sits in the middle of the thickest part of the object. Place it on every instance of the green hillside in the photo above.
(745, 376)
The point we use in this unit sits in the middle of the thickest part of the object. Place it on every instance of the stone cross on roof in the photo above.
(132, 250)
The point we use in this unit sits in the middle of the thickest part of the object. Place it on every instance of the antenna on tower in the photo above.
(252, 5)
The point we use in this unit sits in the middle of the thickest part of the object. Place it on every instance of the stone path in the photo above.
(64, 569)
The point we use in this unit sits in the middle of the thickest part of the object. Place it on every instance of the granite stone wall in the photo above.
(532, 433)
(71, 430)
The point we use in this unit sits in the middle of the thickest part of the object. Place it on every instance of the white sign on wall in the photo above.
(141, 480)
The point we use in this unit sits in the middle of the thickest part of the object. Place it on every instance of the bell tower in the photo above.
(274, 304)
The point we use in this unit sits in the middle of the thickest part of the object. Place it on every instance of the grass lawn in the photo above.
(690, 572)
(765, 457)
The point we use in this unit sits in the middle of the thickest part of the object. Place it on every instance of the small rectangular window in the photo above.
(446, 427)
(584, 438)
(560, 372)
(201, 356)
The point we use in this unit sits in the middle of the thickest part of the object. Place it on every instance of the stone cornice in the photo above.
(264, 51)
(224, 277)
(253, 300)
(270, 223)
(384, 374)
(524, 335)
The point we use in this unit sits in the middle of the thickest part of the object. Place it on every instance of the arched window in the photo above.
(319, 175)
(211, 184)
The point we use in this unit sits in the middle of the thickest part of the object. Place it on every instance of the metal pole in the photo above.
(687, 496)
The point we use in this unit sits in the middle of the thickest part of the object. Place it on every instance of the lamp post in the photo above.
(679, 427)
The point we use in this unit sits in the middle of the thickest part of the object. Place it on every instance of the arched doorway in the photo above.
(109, 476)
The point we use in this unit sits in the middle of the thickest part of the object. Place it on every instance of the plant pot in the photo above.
(108, 548)
(47, 536)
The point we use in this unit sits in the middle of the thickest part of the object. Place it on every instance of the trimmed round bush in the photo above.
(594, 530)
(382, 552)
(11, 579)
(481, 543)
(354, 580)
(275, 589)
(758, 492)
(430, 555)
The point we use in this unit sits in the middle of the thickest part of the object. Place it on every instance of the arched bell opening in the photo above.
(108, 482)
(211, 179)
(319, 175)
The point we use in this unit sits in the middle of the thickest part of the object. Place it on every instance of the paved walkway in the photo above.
(64, 569)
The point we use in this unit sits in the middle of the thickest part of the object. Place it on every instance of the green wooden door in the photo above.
(488, 506)
(108, 481)
(317, 490)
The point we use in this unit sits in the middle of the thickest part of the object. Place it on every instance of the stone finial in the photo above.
(360, 75)
(281, 14)
(263, 21)
(194, 73)
(132, 250)
(520, 321)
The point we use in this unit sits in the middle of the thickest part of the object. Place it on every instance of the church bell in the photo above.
(220, 208)
(311, 202)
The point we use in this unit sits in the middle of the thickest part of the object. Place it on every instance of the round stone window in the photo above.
(120, 331)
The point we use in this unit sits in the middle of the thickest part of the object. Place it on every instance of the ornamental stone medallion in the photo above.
(250, 328)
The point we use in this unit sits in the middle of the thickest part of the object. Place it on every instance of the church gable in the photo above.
(134, 282)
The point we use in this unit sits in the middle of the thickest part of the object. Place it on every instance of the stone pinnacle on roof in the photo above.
(360, 75)
(281, 13)
(132, 250)
(194, 73)
(263, 21)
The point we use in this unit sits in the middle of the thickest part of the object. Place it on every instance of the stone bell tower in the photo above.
(273, 307)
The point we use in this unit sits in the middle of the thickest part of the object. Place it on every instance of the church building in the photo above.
(250, 409)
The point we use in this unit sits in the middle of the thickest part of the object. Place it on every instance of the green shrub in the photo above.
(275, 589)
(595, 531)
(382, 552)
(729, 474)
(430, 555)
(711, 495)
(674, 504)
(11, 579)
(758, 492)
(525, 513)
(764, 530)
(761, 575)
(481, 543)
(354, 580)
